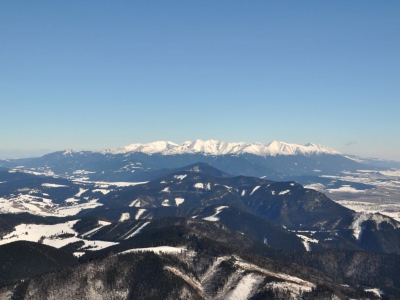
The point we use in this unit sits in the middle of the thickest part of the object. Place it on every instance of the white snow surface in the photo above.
(248, 278)
(199, 185)
(216, 147)
(124, 216)
(354, 158)
(42, 206)
(157, 250)
(247, 266)
(166, 203)
(179, 201)
(284, 192)
(103, 191)
(137, 231)
(104, 223)
(139, 213)
(180, 177)
(306, 241)
(391, 173)
(244, 288)
(295, 289)
(345, 189)
(90, 232)
(255, 189)
(53, 185)
(315, 186)
(81, 191)
(388, 209)
(107, 184)
(73, 210)
(360, 218)
(135, 203)
(100, 223)
(50, 235)
(376, 291)
(165, 190)
(214, 217)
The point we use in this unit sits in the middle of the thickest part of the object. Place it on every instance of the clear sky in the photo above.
(103, 74)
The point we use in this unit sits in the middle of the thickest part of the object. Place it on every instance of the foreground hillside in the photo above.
(195, 233)
(189, 260)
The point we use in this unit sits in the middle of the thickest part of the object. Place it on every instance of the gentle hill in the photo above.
(24, 260)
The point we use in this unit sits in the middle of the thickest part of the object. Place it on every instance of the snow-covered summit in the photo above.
(215, 147)
(149, 148)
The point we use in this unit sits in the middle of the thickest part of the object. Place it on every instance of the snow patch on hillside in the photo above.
(166, 203)
(315, 186)
(104, 223)
(124, 216)
(103, 191)
(295, 289)
(157, 250)
(53, 185)
(306, 285)
(214, 217)
(243, 289)
(137, 231)
(376, 291)
(179, 201)
(135, 203)
(101, 224)
(81, 191)
(360, 218)
(139, 213)
(255, 189)
(306, 241)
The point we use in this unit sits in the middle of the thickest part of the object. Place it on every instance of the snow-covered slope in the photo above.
(215, 147)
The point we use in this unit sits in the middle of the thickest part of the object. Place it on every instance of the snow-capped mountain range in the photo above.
(216, 147)
(143, 162)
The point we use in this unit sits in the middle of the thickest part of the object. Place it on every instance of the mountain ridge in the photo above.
(217, 147)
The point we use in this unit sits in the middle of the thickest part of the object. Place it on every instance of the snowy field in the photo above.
(38, 201)
(388, 209)
(57, 235)
(43, 206)
(157, 250)
(383, 198)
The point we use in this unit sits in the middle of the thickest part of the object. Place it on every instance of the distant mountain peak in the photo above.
(217, 147)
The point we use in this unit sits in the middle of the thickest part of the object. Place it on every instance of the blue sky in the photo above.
(102, 74)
